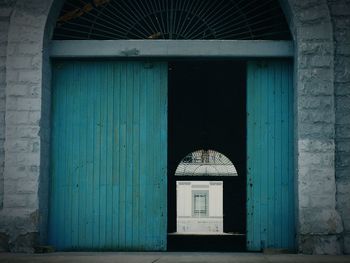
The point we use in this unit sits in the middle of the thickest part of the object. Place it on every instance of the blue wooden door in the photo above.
(270, 192)
(109, 156)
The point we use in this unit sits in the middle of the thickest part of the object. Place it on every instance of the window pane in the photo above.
(200, 204)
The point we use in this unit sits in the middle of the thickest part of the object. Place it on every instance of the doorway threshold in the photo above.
(219, 242)
(205, 234)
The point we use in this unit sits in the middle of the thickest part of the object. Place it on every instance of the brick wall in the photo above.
(321, 114)
(21, 215)
(5, 12)
(319, 224)
(340, 11)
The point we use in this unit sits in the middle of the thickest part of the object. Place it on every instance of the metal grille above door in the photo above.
(171, 19)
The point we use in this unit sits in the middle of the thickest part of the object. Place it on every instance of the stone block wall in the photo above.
(319, 224)
(27, 105)
(340, 13)
(5, 13)
(322, 114)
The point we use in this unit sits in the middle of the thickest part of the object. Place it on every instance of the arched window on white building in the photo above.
(199, 202)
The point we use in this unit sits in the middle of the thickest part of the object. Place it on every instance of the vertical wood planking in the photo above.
(270, 187)
(109, 156)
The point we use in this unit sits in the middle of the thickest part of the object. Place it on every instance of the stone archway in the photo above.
(27, 127)
(318, 222)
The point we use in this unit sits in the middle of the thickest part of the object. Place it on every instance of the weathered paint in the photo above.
(109, 156)
(270, 183)
(171, 48)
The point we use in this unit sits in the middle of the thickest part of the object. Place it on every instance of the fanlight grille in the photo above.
(171, 19)
(205, 163)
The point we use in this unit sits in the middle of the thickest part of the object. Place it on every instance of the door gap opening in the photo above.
(206, 110)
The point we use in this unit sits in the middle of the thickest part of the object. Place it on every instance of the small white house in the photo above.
(199, 207)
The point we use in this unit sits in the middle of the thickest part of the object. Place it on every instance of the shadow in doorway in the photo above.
(207, 110)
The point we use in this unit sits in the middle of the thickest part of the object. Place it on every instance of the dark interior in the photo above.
(207, 110)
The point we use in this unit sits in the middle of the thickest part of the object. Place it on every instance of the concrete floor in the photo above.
(167, 257)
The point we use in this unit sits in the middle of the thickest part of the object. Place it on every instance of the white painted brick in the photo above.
(18, 90)
(27, 186)
(16, 200)
(19, 62)
(322, 159)
(321, 61)
(316, 146)
(319, 221)
(17, 117)
(36, 62)
(30, 76)
(321, 103)
(10, 185)
(324, 201)
(11, 75)
(34, 117)
(25, 19)
(22, 159)
(17, 146)
(23, 90)
(316, 185)
(29, 48)
(21, 172)
(30, 132)
(320, 31)
(327, 245)
(316, 115)
(26, 33)
(308, 175)
(315, 81)
(24, 104)
(316, 61)
(28, 158)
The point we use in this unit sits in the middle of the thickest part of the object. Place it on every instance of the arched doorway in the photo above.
(44, 14)
(126, 238)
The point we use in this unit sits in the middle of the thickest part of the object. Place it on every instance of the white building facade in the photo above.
(199, 207)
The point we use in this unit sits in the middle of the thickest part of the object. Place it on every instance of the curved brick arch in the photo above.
(28, 122)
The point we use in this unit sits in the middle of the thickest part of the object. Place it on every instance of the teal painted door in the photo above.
(270, 192)
(108, 156)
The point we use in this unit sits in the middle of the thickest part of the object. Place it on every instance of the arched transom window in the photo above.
(171, 19)
(206, 163)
